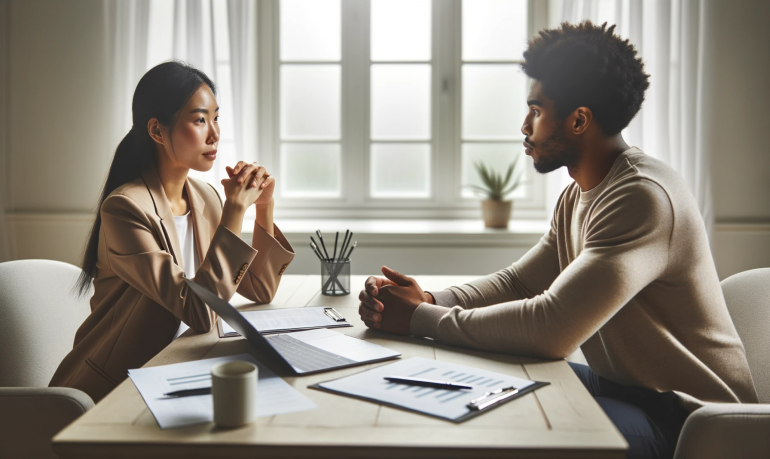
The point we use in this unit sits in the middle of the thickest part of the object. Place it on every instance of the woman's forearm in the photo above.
(265, 217)
(232, 217)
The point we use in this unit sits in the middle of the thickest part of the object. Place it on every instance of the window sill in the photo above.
(404, 233)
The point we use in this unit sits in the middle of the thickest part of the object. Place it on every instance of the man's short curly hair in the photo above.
(586, 65)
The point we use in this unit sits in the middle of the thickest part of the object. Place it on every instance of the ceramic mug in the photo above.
(234, 392)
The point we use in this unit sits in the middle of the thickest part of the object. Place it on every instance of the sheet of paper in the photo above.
(448, 404)
(351, 348)
(273, 320)
(274, 395)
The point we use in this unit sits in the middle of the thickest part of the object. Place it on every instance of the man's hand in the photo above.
(370, 307)
(397, 298)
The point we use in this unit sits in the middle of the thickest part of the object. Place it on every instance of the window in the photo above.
(379, 108)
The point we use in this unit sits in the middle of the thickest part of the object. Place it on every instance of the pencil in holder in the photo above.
(335, 277)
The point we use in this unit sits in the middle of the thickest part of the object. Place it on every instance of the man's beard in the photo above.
(555, 152)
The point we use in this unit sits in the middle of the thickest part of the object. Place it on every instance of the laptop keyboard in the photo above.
(305, 357)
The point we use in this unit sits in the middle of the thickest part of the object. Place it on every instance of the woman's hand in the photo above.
(244, 186)
(261, 179)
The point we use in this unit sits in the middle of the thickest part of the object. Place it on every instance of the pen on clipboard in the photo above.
(492, 398)
(426, 383)
(189, 392)
(336, 316)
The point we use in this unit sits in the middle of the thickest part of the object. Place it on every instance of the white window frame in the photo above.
(446, 200)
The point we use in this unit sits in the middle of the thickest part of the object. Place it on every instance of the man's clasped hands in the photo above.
(388, 303)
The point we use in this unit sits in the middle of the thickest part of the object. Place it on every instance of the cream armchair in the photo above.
(738, 430)
(39, 316)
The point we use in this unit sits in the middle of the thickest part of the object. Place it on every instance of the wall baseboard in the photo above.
(61, 236)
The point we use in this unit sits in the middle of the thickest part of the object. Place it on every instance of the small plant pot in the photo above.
(496, 213)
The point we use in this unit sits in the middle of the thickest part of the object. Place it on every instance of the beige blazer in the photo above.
(139, 293)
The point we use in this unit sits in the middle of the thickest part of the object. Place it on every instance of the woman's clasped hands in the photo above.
(249, 183)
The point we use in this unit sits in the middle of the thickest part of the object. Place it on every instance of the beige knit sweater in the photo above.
(626, 274)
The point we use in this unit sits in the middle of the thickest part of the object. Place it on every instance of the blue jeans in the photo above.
(650, 421)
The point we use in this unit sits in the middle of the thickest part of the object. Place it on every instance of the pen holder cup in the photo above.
(335, 277)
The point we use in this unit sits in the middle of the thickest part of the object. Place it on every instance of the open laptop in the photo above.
(304, 352)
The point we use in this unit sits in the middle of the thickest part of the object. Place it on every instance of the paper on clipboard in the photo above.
(284, 320)
(447, 404)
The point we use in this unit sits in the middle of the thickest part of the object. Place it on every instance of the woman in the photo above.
(156, 226)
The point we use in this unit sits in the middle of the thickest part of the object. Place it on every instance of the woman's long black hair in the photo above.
(161, 93)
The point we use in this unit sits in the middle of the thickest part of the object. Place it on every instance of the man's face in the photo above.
(546, 139)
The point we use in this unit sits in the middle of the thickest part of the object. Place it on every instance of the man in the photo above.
(625, 273)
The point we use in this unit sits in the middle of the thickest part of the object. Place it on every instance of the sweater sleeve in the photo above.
(530, 275)
(625, 248)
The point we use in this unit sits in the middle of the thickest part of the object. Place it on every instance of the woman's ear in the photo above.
(156, 130)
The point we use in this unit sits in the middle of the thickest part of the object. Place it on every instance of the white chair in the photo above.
(736, 430)
(39, 315)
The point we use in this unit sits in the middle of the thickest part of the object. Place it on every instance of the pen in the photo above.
(317, 248)
(426, 383)
(336, 238)
(189, 392)
(348, 238)
(344, 242)
(351, 250)
(323, 246)
(317, 252)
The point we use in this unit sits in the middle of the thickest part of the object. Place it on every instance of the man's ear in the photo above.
(582, 118)
(156, 130)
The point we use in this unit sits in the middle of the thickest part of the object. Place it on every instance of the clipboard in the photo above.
(286, 320)
(449, 405)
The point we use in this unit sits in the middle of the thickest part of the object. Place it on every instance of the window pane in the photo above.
(401, 30)
(310, 170)
(494, 101)
(494, 30)
(401, 102)
(400, 170)
(495, 156)
(310, 102)
(310, 30)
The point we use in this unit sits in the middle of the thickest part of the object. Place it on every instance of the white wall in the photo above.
(57, 153)
(741, 167)
(56, 147)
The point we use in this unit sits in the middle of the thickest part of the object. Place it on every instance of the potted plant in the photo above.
(495, 209)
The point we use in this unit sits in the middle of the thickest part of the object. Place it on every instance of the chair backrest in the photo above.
(39, 315)
(748, 298)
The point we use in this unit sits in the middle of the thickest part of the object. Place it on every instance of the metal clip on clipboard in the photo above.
(492, 398)
(336, 316)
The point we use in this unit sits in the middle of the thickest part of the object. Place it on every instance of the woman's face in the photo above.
(196, 134)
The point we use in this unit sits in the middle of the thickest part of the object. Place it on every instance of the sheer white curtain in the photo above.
(126, 59)
(242, 24)
(216, 36)
(671, 38)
